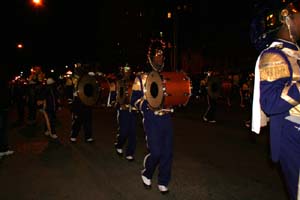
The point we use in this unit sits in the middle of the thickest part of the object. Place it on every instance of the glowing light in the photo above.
(37, 3)
(20, 46)
(169, 15)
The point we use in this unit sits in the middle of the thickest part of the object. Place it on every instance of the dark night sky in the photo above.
(68, 30)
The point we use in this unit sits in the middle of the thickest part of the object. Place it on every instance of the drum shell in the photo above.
(174, 89)
(93, 90)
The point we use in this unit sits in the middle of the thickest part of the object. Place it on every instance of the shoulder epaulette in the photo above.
(273, 65)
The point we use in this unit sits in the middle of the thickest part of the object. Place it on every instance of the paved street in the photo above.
(211, 161)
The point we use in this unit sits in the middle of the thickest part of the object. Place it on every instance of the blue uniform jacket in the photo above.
(279, 90)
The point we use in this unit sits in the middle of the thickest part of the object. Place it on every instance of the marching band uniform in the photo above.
(279, 99)
(276, 98)
(159, 134)
(81, 116)
(127, 119)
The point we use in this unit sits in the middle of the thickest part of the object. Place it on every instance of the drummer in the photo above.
(157, 125)
(126, 116)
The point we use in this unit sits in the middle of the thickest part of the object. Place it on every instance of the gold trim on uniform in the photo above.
(137, 85)
(287, 98)
(295, 111)
(298, 86)
(273, 67)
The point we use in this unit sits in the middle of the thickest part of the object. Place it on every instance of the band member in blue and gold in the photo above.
(157, 125)
(126, 115)
(277, 87)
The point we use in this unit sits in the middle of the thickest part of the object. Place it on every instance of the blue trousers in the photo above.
(159, 138)
(127, 130)
(290, 158)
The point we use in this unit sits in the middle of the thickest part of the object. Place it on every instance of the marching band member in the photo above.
(276, 87)
(81, 116)
(126, 116)
(157, 125)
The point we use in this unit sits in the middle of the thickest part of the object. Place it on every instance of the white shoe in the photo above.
(6, 153)
(163, 189)
(53, 136)
(72, 139)
(90, 140)
(119, 151)
(47, 133)
(129, 158)
(146, 182)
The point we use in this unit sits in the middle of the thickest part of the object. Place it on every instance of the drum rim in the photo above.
(92, 100)
(157, 102)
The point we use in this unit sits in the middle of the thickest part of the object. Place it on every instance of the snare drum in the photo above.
(167, 89)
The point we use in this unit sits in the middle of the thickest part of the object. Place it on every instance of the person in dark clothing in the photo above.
(20, 100)
(213, 93)
(32, 101)
(81, 116)
(4, 107)
(50, 100)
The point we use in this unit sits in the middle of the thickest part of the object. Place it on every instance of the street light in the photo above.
(37, 3)
(20, 46)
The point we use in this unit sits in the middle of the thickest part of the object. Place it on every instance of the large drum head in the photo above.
(154, 90)
(88, 90)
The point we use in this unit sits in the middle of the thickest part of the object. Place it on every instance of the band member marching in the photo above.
(158, 125)
(126, 115)
(81, 114)
(276, 86)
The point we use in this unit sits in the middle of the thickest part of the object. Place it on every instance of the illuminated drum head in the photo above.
(154, 90)
(88, 91)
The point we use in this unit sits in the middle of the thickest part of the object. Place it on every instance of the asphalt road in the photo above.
(211, 161)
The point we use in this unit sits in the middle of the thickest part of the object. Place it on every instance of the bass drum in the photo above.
(93, 90)
(124, 91)
(165, 90)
